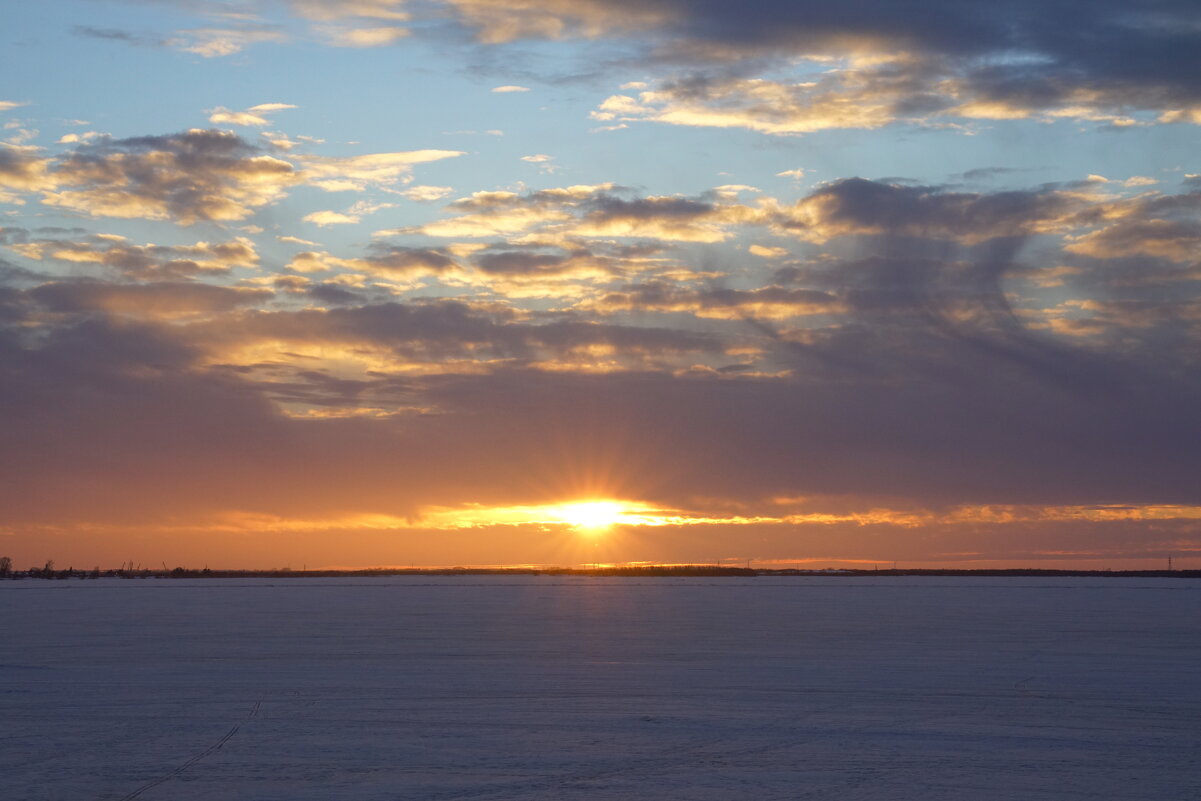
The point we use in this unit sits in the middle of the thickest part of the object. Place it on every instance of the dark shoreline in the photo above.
(670, 571)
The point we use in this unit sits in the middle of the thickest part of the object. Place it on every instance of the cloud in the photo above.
(219, 42)
(570, 276)
(849, 207)
(189, 176)
(591, 211)
(857, 206)
(333, 10)
(338, 23)
(376, 36)
(354, 23)
(134, 261)
(819, 68)
(762, 303)
(352, 215)
(443, 337)
(673, 437)
(658, 217)
(8, 105)
(296, 241)
(23, 168)
(255, 115)
(891, 355)
(374, 169)
(524, 262)
(195, 175)
(839, 99)
(118, 35)
(500, 212)
(120, 392)
(934, 350)
(545, 163)
(508, 88)
(324, 218)
(832, 68)
(498, 22)
(901, 89)
(425, 194)
(77, 138)
(475, 404)
(1174, 240)
(156, 300)
(388, 262)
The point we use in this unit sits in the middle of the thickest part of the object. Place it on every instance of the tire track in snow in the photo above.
(225, 738)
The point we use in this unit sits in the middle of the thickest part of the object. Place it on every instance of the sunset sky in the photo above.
(380, 282)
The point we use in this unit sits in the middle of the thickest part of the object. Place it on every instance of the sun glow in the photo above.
(590, 515)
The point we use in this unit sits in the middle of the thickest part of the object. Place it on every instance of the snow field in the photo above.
(547, 687)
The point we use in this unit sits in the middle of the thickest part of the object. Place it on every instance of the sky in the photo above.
(293, 283)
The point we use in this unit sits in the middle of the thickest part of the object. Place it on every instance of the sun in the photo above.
(590, 515)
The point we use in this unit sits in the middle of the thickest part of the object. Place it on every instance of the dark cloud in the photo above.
(335, 294)
(766, 302)
(608, 207)
(1032, 44)
(514, 262)
(1003, 435)
(402, 260)
(189, 176)
(99, 411)
(532, 263)
(986, 173)
(163, 299)
(858, 206)
(118, 35)
(447, 329)
(1108, 62)
(11, 274)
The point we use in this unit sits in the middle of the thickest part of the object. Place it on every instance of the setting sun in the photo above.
(590, 515)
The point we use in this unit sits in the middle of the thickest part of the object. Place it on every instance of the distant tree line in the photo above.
(46, 571)
(131, 570)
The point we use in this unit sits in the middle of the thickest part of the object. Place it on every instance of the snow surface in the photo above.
(601, 688)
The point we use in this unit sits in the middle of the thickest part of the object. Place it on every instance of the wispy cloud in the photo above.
(253, 116)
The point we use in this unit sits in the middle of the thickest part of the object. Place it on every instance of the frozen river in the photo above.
(445, 688)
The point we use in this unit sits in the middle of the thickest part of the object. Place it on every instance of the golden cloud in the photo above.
(253, 116)
(144, 262)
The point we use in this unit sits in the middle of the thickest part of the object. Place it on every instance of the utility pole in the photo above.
(1169, 563)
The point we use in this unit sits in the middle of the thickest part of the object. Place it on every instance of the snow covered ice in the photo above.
(543, 687)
